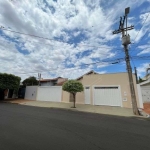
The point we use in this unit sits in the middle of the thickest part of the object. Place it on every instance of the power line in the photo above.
(30, 35)
(103, 62)
(135, 46)
(141, 57)
(2, 28)
(139, 32)
(83, 51)
(141, 27)
(115, 61)
(132, 62)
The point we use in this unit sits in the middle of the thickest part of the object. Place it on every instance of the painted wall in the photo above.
(109, 79)
(31, 92)
(140, 96)
(49, 93)
(65, 96)
(46, 83)
(145, 92)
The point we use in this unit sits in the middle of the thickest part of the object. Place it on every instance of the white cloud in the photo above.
(137, 34)
(145, 49)
(141, 70)
(65, 19)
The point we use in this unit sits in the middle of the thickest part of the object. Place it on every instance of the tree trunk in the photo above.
(74, 100)
(2, 95)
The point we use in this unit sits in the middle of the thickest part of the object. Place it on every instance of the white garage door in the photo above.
(49, 93)
(145, 94)
(110, 96)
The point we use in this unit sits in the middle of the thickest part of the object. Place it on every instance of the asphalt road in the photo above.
(34, 128)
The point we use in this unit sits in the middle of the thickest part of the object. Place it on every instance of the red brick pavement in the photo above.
(147, 107)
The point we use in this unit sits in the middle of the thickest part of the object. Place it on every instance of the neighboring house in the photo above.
(52, 82)
(88, 73)
(147, 76)
(8, 93)
(99, 89)
(145, 87)
(145, 91)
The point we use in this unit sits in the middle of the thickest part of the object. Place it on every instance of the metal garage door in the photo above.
(145, 94)
(110, 96)
(49, 93)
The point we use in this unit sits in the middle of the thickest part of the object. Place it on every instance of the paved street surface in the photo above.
(35, 128)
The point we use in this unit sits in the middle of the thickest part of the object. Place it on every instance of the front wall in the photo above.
(31, 92)
(120, 79)
(49, 93)
(145, 90)
(65, 96)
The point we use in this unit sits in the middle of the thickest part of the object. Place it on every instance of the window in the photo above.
(87, 87)
(105, 87)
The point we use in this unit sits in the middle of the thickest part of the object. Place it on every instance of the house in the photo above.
(105, 89)
(145, 91)
(99, 89)
(144, 87)
(52, 82)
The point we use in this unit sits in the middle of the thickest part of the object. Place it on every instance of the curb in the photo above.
(143, 113)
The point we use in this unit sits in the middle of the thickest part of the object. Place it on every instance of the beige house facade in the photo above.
(104, 89)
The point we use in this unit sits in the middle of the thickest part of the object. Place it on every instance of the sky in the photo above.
(68, 34)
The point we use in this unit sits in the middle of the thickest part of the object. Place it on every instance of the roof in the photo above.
(146, 77)
(93, 72)
(145, 82)
(90, 72)
(46, 80)
(60, 83)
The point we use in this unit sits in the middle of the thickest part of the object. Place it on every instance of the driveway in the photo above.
(35, 128)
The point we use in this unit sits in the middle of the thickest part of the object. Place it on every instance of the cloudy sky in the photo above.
(69, 34)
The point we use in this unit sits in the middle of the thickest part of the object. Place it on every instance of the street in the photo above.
(35, 128)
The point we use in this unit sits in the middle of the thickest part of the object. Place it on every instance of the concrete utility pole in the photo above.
(125, 43)
(136, 75)
(39, 77)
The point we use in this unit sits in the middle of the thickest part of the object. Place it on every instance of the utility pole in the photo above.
(136, 75)
(125, 43)
(39, 77)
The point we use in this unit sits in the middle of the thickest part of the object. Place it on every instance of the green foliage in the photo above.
(73, 86)
(140, 80)
(9, 81)
(30, 81)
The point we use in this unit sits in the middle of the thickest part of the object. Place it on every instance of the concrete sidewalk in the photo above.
(79, 107)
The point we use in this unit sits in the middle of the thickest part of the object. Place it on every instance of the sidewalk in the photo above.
(118, 111)
(147, 108)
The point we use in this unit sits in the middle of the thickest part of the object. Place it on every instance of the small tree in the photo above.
(30, 81)
(8, 81)
(141, 80)
(73, 86)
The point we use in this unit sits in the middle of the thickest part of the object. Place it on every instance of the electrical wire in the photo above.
(111, 62)
(54, 40)
(135, 46)
(103, 62)
(141, 27)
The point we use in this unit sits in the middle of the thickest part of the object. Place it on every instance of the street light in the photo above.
(127, 10)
